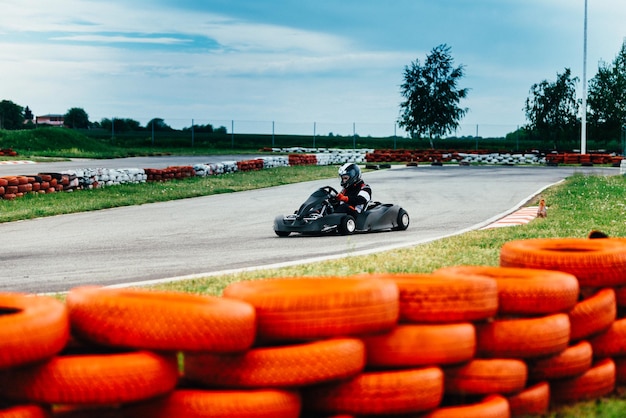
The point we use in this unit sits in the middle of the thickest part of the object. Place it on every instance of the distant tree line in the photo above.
(14, 116)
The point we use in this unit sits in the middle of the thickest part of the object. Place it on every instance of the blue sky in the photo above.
(327, 65)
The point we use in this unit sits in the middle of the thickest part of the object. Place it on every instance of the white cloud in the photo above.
(125, 59)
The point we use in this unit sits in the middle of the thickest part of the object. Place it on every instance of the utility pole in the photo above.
(583, 124)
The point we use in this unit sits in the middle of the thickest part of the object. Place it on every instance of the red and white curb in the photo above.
(13, 162)
(519, 217)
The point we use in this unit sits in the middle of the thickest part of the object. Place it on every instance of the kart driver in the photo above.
(356, 194)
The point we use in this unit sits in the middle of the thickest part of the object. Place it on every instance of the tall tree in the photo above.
(431, 105)
(158, 124)
(552, 107)
(607, 97)
(76, 118)
(11, 115)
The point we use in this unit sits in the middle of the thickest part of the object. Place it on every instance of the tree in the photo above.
(552, 107)
(607, 97)
(28, 115)
(208, 128)
(431, 95)
(76, 118)
(11, 115)
(120, 125)
(158, 124)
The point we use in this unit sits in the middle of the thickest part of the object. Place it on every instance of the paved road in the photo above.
(202, 236)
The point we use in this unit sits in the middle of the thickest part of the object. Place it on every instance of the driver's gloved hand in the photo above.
(342, 197)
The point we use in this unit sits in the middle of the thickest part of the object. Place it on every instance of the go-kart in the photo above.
(318, 215)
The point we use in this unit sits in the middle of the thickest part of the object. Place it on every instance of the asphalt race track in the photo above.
(203, 236)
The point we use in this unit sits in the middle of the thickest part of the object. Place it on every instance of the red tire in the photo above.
(413, 345)
(92, 379)
(318, 307)
(533, 400)
(597, 382)
(524, 337)
(593, 315)
(612, 342)
(189, 403)
(594, 262)
(153, 320)
(573, 361)
(24, 411)
(371, 393)
(492, 406)
(620, 370)
(486, 376)
(525, 291)
(444, 298)
(32, 328)
(282, 366)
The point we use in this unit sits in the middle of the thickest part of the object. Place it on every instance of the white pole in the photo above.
(583, 123)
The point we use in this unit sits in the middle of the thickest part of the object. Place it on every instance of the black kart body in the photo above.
(318, 215)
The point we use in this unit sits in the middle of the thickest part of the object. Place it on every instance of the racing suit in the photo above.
(358, 196)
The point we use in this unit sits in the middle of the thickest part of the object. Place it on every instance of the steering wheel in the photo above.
(332, 193)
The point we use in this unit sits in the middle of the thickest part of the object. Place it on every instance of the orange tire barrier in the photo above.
(386, 392)
(526, 291)
(24, 411)
(598, 381)
(460, 342)
(492, 406)
(620, 297)
(593, 315)
(594, 262)
(280, 366)
(92, 379)
(612, 342)
(160, 320)
(192, 403)
(534, 400)
(620, 370)
(573, 361)
(32, 328)
(412, 345)
(87, 411)
(318, 307)
(523, 338)
(486, 376)
(444, 298)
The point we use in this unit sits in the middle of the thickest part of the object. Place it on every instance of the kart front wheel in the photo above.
(403, 220)
(347, 226)
(282, 233)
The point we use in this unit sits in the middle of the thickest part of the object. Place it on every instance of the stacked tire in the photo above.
(544, 328)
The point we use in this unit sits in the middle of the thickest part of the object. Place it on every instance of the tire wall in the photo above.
(12, 187)
(450, 343)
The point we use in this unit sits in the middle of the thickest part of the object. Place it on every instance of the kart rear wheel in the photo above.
(283, 233)
(347, 226)
(403, 220)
